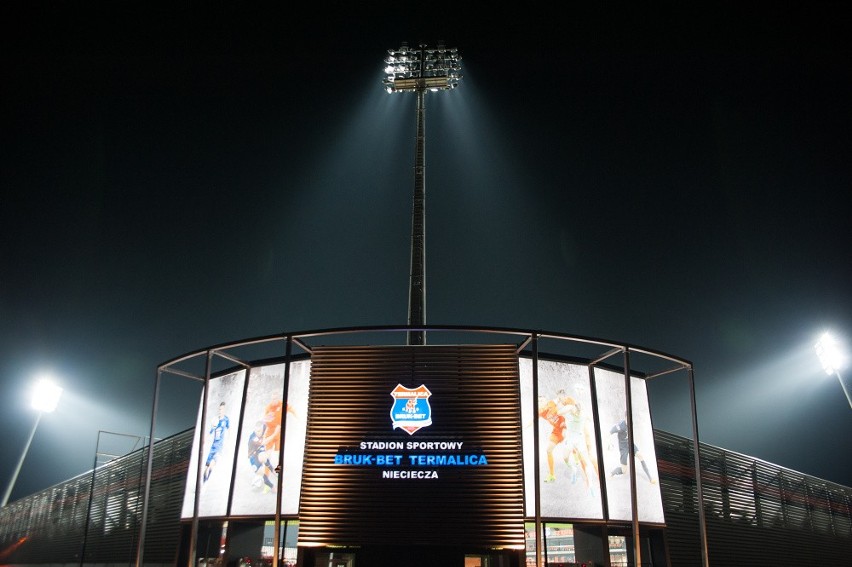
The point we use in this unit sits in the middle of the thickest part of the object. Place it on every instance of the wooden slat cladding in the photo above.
(475, 401)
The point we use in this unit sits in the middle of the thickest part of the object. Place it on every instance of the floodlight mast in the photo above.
(45, 398)
(418, 71)
(832, 358)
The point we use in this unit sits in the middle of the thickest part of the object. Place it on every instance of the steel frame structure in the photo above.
(634, 361)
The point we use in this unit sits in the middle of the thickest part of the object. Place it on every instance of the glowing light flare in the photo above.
(833, 359)
(830, 354)
(46, 394)
(5, 553)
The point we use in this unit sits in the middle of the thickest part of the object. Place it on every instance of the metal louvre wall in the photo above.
(114, 513)
(51, 527)
(52, 521)
(757, 513)
(168, 480)
(45, 527)
(475, 399)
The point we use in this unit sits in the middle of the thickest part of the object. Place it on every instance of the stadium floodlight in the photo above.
(415, 70)
(45, 398)
(419, 71)
(833, 359)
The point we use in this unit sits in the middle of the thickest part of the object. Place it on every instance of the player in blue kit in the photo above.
(219, 432)
(258, 458)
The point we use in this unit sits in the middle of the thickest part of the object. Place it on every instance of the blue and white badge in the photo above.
(411, 410)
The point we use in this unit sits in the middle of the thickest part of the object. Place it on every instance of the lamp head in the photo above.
(830, 353)
(46, 395)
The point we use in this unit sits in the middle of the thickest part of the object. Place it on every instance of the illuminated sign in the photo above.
(445, 446)
(410, 454)
(411, 410)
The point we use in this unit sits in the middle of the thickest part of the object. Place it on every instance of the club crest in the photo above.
(411, 410)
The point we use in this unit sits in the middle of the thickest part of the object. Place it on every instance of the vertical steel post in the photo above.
(89, 506)
(845, 389)
(20, 462)
(417, 283)
(702, 521)
(276, 533)
(193, 537)
(631, 460)
(596, 420)
(143, 522)
(536, 453)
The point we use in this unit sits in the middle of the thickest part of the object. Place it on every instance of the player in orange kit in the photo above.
(548, 410)
(272, 420)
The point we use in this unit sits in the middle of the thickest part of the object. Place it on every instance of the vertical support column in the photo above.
(89, 505)
(783, 494)
(140, 550)
(417, 285)
(830, 510)
(696, 449)
(193, 538)
(278, 496)
(603, 536)
(631, 459)
(247, 369)
(536, 454)
(809, 504)
(20, 464)
(593, 391)
(755, 487)
(725, 489)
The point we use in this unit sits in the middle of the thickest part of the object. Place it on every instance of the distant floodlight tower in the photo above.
(833, 359)
(418, 71)
(45, 399)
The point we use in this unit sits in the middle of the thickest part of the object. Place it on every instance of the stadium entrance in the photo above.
(410, 556)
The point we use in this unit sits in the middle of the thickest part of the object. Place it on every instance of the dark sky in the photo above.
(180, 175)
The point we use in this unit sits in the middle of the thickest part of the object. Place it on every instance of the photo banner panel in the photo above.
(568, 460)
(612, 410)
(260, 441)
(219, 439)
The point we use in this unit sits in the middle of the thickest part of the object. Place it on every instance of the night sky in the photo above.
(180, 175)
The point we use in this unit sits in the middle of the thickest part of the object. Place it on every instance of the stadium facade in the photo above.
(486, 447)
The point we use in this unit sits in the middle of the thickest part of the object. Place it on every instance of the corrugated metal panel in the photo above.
(757, 513)
(474, 390)
(797, 519)
(168, 479)
(51, 527)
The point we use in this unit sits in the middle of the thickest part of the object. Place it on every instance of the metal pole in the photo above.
(276, 532)
(845, 389)
(193, 535)
(417, 285)
(89, 507)
(702, 522)
(143, 522)
(20, 462)
(593, 391)
(536, 453)
(140, 550)
(631, 460)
